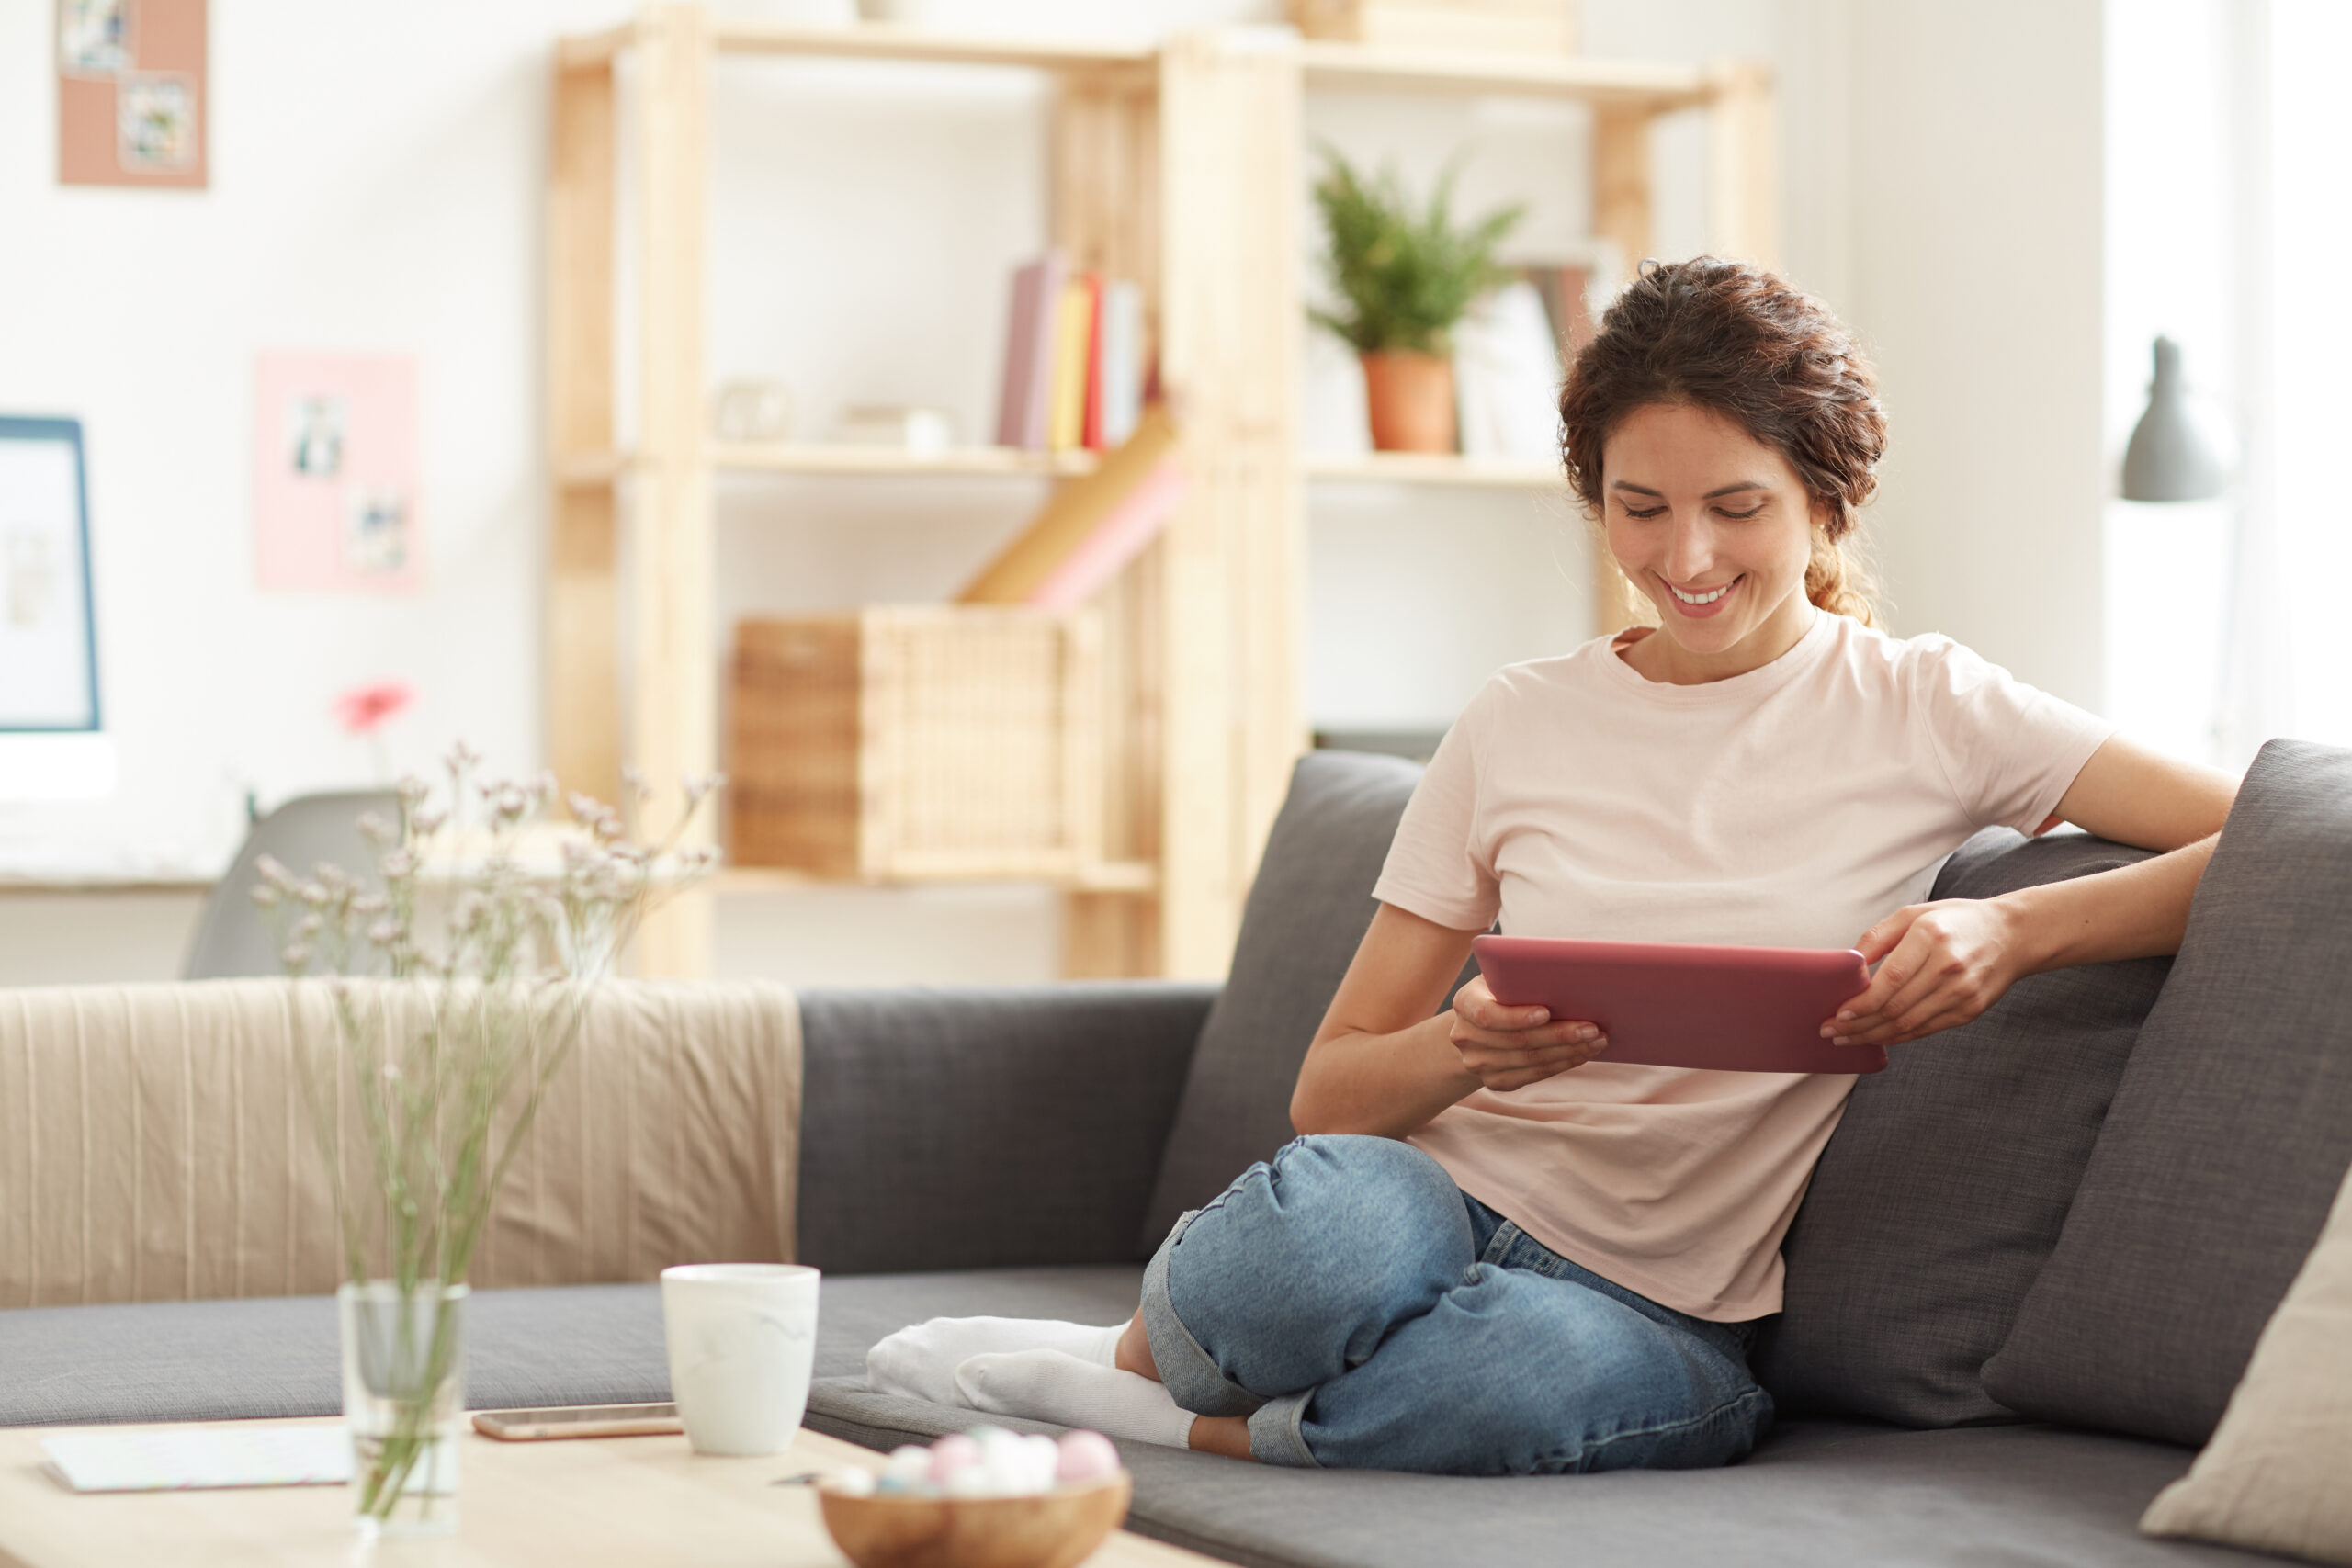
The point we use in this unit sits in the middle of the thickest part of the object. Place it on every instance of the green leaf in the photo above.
(1404, 277)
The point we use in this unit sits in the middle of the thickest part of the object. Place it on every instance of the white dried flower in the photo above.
(377, 831)
(312, 892)
(634, 783)
(296, 957)
(308, 926)
(386, 933)
(370, 903)
(274, 872)
(462, 757)
(266, 895)
(411, 789)
(397, 864)
(428, 823)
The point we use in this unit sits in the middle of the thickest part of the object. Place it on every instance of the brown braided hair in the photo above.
(1732, 338)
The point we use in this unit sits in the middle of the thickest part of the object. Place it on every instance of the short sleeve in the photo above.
(2011, 751)
(1435, 868)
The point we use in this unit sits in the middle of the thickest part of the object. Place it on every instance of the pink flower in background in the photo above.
(361, 709)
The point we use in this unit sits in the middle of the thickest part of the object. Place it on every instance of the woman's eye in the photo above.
(1739, 516)
(1645, 515)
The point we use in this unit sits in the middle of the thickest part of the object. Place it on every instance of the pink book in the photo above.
(1115, 541)
(1029, 353)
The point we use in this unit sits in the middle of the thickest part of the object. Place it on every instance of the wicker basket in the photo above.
(1529, 26)
(928, 741)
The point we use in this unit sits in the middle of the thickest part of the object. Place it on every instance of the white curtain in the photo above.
(2289, 664)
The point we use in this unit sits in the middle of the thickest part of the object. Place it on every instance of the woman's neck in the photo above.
(1658, 657)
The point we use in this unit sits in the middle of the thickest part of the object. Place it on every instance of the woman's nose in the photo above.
(1689, 551)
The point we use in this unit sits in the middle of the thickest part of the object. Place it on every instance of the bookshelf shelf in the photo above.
(1176, 166)
(1652, 89)
(892, 461)
(1123, 877)
(1430, 468)
(589, 470)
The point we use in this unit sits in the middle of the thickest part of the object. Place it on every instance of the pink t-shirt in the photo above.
(1795, 806)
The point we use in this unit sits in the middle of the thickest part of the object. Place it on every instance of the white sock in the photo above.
(1049, 1385)
(921, 1362)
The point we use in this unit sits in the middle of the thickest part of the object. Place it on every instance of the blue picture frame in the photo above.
(48, 623)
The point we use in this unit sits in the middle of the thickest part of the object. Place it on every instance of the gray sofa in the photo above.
(2030, 1267)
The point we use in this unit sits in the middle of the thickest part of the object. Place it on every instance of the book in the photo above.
(1073, 349)
(1090, 435)
(1507, 376)
(1029, 352)
(1567, 295)
(1118, 353)
(1091, 527)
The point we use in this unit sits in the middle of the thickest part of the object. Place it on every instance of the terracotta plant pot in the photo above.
(1410, 399)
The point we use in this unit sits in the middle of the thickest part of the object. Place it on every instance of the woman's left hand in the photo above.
(1938, 965)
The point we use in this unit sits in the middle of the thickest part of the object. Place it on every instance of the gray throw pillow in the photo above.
(1943, 1189)
(1307, 910)
(2229, 1132)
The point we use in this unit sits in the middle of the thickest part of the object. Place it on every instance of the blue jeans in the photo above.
(1364, 1312)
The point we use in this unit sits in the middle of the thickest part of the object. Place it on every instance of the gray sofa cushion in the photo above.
(1305, 914)
(1814, 1492)
(2229, 1134)
(276, 1356)
(987, 1126)
(1942, 1191)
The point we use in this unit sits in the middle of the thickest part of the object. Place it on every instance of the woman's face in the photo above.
(1717, 528)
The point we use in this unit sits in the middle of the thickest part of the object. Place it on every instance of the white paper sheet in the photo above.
(200, 1457)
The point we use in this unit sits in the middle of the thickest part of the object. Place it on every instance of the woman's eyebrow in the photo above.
(1733, 488)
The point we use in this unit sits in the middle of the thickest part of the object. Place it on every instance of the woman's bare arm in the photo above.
(1386, 1060)
(1946, 962)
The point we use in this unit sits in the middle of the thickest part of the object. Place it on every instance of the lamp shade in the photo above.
(2173, 454)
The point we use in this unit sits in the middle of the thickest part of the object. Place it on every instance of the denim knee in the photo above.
(1299, 1269)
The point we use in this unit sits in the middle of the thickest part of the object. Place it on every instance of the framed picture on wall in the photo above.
(49, 658)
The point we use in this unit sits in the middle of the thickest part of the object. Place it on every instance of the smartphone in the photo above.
(577, 1421)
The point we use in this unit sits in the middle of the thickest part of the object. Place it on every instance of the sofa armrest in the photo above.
(995, 1127)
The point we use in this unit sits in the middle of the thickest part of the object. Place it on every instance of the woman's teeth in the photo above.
(1709, 597)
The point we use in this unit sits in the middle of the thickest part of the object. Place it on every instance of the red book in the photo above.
(1093, 439)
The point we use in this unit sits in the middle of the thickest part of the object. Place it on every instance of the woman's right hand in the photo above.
(1506, 1047)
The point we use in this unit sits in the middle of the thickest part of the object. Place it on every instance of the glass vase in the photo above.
(404, 1401)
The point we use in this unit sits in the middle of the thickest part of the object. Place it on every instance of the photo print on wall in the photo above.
(334, 473)
(48, 671)
(131, 92)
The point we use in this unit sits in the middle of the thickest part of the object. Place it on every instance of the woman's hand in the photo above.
(1509, 1048)
(1938, 965)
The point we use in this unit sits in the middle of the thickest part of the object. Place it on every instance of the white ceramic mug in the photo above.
(742, 1341)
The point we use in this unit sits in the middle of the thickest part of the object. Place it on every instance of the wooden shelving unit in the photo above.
(1178, 165)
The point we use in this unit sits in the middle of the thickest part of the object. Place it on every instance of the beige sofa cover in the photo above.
(155, 1144)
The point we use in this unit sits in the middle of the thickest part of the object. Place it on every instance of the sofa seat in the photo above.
(1815, 1492)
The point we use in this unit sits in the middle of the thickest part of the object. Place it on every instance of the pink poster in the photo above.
(334, 473)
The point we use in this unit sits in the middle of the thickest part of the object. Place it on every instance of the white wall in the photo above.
(1974, 222)
(377, 186)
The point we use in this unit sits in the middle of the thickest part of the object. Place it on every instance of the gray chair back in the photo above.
(230, 937)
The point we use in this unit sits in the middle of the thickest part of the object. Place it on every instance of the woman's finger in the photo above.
(1914, 970)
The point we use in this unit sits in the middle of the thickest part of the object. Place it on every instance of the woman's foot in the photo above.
(1050, 1386)
(920, 1362)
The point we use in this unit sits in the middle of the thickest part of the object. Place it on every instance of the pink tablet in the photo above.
(1742, 1009)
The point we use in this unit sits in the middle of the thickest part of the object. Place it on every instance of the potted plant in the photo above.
(1403, 279)
(435, 1074)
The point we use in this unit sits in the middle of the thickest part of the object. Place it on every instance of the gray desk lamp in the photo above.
(2172, 456)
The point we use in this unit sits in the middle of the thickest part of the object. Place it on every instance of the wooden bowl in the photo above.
(1055, 1529)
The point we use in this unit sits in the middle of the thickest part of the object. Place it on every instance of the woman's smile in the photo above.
(1700, 602)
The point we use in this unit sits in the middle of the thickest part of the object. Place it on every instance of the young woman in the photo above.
(1489, 1253)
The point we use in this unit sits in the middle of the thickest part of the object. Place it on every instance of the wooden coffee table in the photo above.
(580, 1501)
